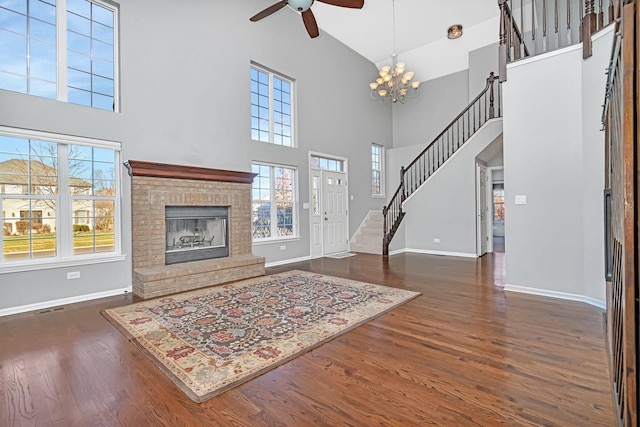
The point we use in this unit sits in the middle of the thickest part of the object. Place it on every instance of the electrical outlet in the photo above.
(73, 275)
(283, 247)
(436, 240)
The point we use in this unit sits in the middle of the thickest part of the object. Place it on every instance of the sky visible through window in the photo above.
(28, 57)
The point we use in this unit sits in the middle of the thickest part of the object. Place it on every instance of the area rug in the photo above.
(212, 339)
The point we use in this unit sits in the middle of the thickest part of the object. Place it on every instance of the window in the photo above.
(70, 58)
(498, 203)
(42, 221)
(271, 108)
(315, 195)
(377, 170)
(274, 202)
(319, 162)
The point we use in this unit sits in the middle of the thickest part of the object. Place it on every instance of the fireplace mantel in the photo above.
(165, 170)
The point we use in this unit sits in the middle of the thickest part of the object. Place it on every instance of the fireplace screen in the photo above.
(196, 233)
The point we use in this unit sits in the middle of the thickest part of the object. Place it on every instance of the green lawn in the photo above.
(43, 242)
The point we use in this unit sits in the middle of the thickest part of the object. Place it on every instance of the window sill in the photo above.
(274, 241)
(378, 196)
(31, 265)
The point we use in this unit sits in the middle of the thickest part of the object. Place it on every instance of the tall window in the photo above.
(59, 196)
(377, 164)
(70, 58)
(274, 202)
(271, 108)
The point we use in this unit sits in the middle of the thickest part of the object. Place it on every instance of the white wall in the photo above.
(185, 100)
(553, 154)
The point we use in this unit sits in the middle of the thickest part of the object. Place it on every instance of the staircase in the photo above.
(367, 237)
(485, 106)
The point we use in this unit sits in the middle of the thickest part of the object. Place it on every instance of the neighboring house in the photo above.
(15, 180)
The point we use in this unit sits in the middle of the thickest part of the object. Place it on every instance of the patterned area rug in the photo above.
(212, 339)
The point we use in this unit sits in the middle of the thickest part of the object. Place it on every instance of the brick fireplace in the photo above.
(155, 186)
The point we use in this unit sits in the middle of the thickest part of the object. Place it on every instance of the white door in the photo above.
(334, 212)
(482, 208)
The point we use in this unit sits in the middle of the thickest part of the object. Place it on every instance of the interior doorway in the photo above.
(490, 211)
(497, 210)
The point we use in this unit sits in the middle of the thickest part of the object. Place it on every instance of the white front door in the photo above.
(334, 212)
(482, 208)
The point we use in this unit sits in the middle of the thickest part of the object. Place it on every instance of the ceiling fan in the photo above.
(304, 6)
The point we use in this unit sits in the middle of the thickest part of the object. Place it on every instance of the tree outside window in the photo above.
(274, 206)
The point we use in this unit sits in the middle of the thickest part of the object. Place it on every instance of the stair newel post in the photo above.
(588, 27)
(385, 246)
(491, 95)
(502, 49)
(403, 195)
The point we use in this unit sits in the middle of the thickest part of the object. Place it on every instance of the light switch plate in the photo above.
(521, 200)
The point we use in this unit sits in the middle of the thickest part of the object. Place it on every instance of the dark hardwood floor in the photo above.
(462, 354)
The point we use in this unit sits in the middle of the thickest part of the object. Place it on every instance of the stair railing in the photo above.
(533, 27)
(487, 105)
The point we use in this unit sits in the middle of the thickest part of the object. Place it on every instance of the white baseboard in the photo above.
(444, 253)
(62, 301)
(555, 294)
(397, 251)
(286, 261)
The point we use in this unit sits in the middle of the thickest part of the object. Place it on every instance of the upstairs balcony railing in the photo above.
(533, 27)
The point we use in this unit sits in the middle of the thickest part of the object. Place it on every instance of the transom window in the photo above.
(325, 163)
(274, 206)
(271, 107)
(70, 57)
(59, 196)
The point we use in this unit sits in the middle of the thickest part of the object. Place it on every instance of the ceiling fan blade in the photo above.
(310, 23)
(268, 11)
(354, 4)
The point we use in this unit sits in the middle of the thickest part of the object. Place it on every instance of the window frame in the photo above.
(381, 171)
(64, 206)
(292, 106)
(273, 203)
(62, 47)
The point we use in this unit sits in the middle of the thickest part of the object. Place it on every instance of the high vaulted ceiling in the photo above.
(421, 30)
(369, 31)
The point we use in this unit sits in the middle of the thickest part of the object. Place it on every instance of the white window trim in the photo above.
(274, 213)
(64, 237)
(383, 178)
(61, 52)
(294, 90)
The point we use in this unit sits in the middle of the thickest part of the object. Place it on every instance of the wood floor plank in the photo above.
(464, 353)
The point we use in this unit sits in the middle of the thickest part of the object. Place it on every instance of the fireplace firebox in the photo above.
(195, 233)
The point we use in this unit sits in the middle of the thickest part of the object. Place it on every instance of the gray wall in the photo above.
(445, 206)
(481, 62)
(553, 154)
(420, 120)
(185, 100)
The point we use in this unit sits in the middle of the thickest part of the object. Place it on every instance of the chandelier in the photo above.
(394, 83)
